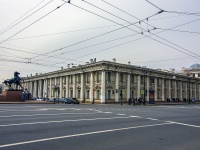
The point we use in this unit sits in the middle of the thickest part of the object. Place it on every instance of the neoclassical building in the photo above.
(106, 81)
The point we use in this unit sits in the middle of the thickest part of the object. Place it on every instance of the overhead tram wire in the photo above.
(51, 34)
(22, 16)
(33, 23)
(119, 38)
(36, 53)
(98, 43)
(130, 24)
(36, 36)
(149, 32)
(25, 17)
(185, 13)
(183, 31)
(134, 30)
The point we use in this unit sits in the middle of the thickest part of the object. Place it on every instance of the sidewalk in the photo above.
(28, 102)
(147, 104)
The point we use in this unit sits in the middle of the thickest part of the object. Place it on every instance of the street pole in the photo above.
(121, 96)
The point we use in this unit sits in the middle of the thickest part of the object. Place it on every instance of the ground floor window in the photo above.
(79, 93)
(71, 93)
(88, 94)
(98, 94)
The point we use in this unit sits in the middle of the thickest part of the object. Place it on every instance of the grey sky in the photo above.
(69, 25)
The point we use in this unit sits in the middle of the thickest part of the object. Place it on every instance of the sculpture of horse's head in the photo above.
(16, 74)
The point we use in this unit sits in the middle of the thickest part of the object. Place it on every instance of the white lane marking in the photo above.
(52, 114)
(46, 122)
(121, 114)
(184, 124)
(81, 134)
(151, 119)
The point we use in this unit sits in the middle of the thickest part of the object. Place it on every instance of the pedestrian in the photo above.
(24, 96)
(129, 101)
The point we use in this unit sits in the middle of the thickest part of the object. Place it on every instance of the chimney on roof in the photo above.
(95, 60)
(114, 60)
(91, 60)
(129, 63)
(68, 66)
(61, 68)
(36, 74)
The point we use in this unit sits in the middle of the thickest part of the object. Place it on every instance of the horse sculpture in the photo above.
(16, 80)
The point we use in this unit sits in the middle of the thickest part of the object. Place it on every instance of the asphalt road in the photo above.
(99, 127)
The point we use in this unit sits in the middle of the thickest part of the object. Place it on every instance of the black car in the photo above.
(65, 100)
(74, 100)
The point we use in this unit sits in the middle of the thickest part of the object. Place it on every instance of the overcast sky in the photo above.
(35, 37)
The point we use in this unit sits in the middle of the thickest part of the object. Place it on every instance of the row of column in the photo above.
(40, 88)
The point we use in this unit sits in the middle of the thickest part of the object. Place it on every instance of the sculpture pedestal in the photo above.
(11, 96)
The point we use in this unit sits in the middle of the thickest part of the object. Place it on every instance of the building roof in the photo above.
(195, 66)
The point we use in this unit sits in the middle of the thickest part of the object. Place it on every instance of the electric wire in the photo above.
(130, 24)
(25, 18)
(33, 23)
(50, 34)
(152, 33)
(185, 13)
(22, 16)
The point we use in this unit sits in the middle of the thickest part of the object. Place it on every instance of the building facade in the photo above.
(108, 82)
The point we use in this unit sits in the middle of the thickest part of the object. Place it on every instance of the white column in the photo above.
(44, 88)
(50, 88)
(138, 86)
(147, 97)
(190, 84)
(31, 88)
(91, 87)
(103, 87)
(181, 90)
(199, 91)
(163, 90)
(128, 86)
(74, 85)
(175, 89)
(156, 89)
(55, 81)
(40, 85)
(67, 86)
(61, 87)
(35, 88)
(82, 88)
(195, 90)
(186, 90)
(117, 87)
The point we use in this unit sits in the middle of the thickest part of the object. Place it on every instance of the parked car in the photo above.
(65, 100)
(53, 99)
(74, 100)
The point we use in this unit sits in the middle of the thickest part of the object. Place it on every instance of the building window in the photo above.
(198, 74)
(98, 77)
(88, 78)
(152, 80)
(109, 76)
(79, 93)
(71, 93)
(71, 79)
(193, 74)
(98, 94)
(158, 83)
(121, 77)
(165, 83)
(79, 78)
(88, 94)
(132, 79)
